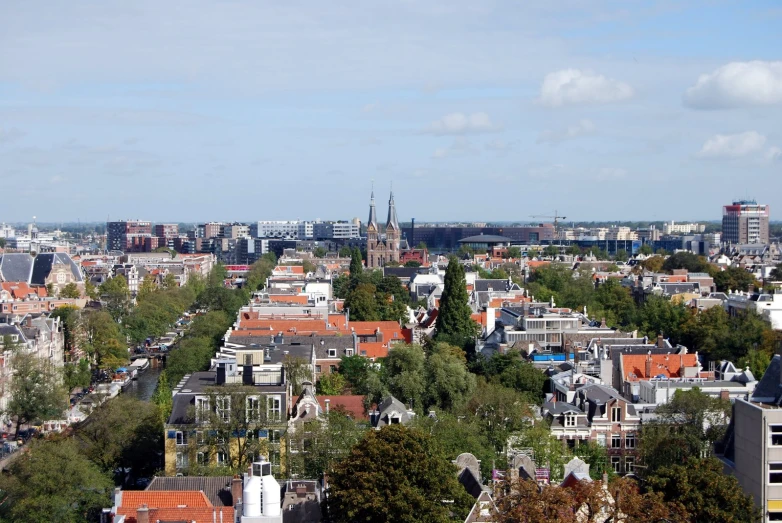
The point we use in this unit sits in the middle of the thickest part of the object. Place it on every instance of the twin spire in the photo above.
(392, 221)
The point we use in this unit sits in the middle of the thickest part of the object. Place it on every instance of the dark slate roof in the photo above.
(43, 266)
(401, 272)
(555, 408)
(216, 488)
(769, 385)
(485, 238)
(496, 285)
(16, 267)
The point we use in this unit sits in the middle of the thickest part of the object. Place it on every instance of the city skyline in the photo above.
(603, 112)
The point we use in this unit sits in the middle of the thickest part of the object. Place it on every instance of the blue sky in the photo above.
(194, 110)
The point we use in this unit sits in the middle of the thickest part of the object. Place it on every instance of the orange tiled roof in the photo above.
(533, 264)
(283, 325)
(20, 290)
(164, 498)
(668, 365)
(302, 299)
(289, 269)
(299, 332)
(353, 404)
(390, 329)
(189, 514)
(373, 349)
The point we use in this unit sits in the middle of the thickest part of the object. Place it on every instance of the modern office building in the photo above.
(130, 236)
(745, 221)
(447, 238)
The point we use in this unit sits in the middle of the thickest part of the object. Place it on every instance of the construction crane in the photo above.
(556, 218)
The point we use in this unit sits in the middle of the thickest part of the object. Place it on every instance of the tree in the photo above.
(103, 340)
(362, 304)
(405, 374)
(77, 374)
(123, 433)
(341, 286)
(169, 281)
(661, 316)
(91, 291)
(653, 263)
(515, 373)
(776, 273)
(117, 296)
(356, 370)
(297, 371)
(645, 249)
(345, 252)
(513, 253)
(69, 318)
(499, 411)
(686, 260)
(36, 390)
(574, 250)
(70, 291)
(412, 263)
(551, 251)
(321, 444)
(356, 264)
(705, 491)
(396, 474)
(449, 383)
(454, 321)
(260, 271)
(331, 384)
(458, 434)
(54, 481)
(421, 245)
(319, 252)
(734, 279)
(621, 255)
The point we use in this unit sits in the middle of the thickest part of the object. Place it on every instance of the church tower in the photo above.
(372, 234)
(393, 234)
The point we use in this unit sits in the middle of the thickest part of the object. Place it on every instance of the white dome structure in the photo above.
(251, 496)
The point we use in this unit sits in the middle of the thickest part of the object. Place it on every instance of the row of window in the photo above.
(616, 440)
(253, 407)
(616, 416)
(182, 437)
(629, 464)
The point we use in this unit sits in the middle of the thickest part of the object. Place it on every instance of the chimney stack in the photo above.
(660, 342)
(236, 489)
(648, 365)
(328, 403)
(142, 514)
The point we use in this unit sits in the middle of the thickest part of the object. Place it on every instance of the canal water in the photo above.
(143, 387)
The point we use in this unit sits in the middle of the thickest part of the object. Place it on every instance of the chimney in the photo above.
(725, 395)
(379, 335)
(29, 321)
(605, 478)
(648, 365)
(603, 323)
(236, 490)
(328, 403)
(142, 514)
(117, 497)
(220, 380)
(660, 342)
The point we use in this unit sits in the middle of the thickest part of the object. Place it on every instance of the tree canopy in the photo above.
(454, 321)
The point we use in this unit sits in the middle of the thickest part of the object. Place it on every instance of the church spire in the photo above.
(372, 216)
(392, 221)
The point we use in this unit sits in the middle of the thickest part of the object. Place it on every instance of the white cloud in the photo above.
(460, 123)
(774, 153)
(576, 87)
(733, 145)
(582, 128)
(737, 84)
(460, 147)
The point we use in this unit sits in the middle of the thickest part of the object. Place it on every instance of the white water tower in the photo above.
(261, 501)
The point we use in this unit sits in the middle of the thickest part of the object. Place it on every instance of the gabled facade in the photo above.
(380, 252)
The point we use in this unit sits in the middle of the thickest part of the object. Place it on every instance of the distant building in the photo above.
(380, 252)
(293, 229)
(336, 230)
(745, 221)
(130, 236)
(683, 228)
(446, 238)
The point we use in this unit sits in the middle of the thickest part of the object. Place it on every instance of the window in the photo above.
(202, 409)
(202, 458)
(570, 421)
(61, 277)
(616, 441)
(223, 408)
(253, 408)
(181, 460)
(630, 440)
(601, 440)
(775, 432)
(332, 369)
(332, 353)
(616, 414)
(348, 352)
(772, 516)
(274, 408)
(200, 440)
(775, 472)
(181, 437)
(274, 436)
(616, 464)
(317, 369)
(630, 464)
(222, 458)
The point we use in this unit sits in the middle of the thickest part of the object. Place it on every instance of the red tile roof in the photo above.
(669, 365)
(352, 404)
(188, 514)
(164, 498)
(373, 349)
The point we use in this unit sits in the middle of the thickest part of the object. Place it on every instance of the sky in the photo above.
(197, 110)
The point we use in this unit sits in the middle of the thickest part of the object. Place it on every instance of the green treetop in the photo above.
(454, 320)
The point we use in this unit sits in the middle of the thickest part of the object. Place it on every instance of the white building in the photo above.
(768, 306)
(682, 228)
(293, 229)
(6, 231)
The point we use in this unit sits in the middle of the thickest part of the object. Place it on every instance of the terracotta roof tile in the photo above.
(164, 498)
(669, 365)
(353, 404)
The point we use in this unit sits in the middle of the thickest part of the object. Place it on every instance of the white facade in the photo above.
(682, 228)
(6, 231)
(294, 229)
(769, 306)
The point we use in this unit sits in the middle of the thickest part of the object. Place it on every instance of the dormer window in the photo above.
(570, 420)
(332, 353)
(616, 414)
(348, 352)
(395, 419)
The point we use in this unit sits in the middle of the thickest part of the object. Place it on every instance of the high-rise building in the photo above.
(130, 236)
(381, 252)
(745, 222)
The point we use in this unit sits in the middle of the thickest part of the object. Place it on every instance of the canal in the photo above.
(143, 387)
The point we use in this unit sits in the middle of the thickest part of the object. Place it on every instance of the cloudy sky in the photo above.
(240, 110)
